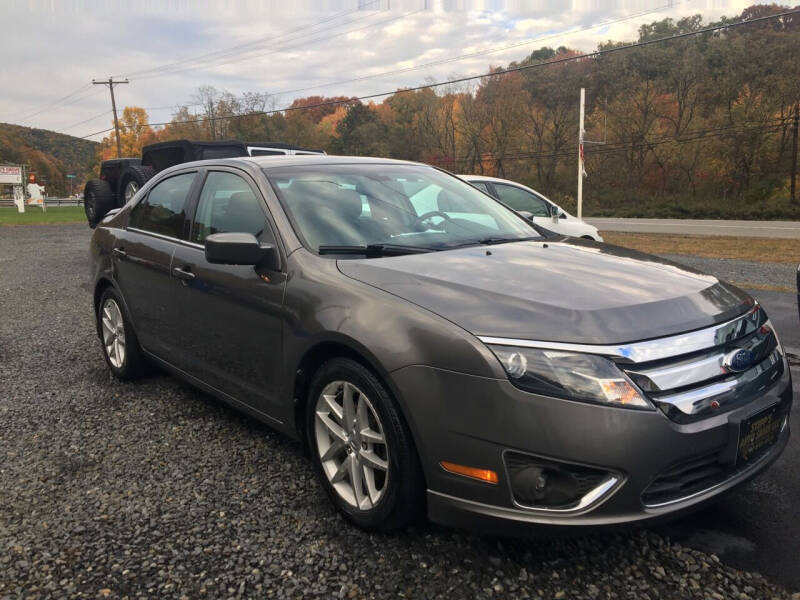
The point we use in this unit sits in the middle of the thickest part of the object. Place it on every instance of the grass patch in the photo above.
(773, 250)
(763, 286)
(33, 215)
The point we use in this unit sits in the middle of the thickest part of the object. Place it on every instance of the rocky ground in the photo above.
(152, 489)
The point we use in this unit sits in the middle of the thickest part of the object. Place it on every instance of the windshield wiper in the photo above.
(375, 250)
(490, 241)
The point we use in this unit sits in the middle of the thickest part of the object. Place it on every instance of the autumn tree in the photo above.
(134, 132)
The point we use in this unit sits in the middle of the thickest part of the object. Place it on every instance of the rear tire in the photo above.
(361, 448)
(120, 345)
(133, 178)
(98, 199)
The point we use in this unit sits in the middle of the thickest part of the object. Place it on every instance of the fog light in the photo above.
(547, 484)
(546, 487)
(485, 475)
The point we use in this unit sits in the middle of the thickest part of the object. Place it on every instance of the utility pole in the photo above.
(792, 194)
(111, 83)
(581, 170)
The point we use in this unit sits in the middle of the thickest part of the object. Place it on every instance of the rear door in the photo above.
(142, 259)
(231, 315)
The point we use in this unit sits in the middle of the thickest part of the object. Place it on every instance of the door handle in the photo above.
(183, 274)
(120, 253)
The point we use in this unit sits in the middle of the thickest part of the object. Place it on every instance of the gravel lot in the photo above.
(743, 272)
(152, 489)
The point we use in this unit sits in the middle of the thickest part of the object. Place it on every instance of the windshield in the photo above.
(378, 205)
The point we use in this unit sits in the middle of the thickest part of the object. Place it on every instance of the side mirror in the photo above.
(526, 214)
(241, 249)
(555, 212)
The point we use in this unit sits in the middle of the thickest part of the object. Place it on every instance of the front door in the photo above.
(231, 315)
(142, 259)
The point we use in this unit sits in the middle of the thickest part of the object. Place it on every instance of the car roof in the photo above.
(270, 162)
(487, 178)
(255, 163)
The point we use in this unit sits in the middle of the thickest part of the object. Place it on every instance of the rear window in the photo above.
(164, 209)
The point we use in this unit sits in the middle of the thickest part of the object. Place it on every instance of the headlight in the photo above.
(585, 377)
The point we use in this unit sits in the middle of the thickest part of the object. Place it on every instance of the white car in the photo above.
(542, 211)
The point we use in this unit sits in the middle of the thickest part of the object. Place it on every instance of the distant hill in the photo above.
(49, 154)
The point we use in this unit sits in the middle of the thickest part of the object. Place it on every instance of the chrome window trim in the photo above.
(639, 352)
(167, 238)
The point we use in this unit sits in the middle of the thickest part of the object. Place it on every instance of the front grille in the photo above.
(697, 475)
(685, 479)
(689, 387)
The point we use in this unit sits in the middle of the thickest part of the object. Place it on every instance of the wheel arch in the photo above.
(101, 285)
(340, 347)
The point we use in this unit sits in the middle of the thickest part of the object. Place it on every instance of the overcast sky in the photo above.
(51, 50)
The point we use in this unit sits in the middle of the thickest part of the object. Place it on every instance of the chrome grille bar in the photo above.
(701, 368)
(667, 347)
(698, 399)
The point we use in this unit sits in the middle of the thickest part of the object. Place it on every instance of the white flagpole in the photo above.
(580, 155)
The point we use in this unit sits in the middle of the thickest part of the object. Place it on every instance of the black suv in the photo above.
(121, 178)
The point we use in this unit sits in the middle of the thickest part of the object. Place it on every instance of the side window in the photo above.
(164, 209)
(481, 186)
(228, 205)
(520, 199)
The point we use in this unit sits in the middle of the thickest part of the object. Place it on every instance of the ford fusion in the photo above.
(437, 353)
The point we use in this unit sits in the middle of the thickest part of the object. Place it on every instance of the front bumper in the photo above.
(473, 421)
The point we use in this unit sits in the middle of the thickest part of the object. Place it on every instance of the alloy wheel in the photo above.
(113, 328)
(351, 444)
(130, 190)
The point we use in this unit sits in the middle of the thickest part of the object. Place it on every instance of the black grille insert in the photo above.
(685, 479)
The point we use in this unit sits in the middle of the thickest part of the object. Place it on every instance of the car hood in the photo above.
(566, 290)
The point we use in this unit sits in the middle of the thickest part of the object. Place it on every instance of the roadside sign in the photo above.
(10, 175)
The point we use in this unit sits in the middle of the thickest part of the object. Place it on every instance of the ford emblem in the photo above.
(738, 360)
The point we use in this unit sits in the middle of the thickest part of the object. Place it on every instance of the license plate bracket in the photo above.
(757, 433)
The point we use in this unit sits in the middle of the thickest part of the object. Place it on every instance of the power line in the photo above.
(233, 49)
(42, 107)
(460, 57)
(499, 73)
(89, 120)
(696, 135)
(451, 59)
(72, 95)
(67, 100)
(520, 68)
(301, 40)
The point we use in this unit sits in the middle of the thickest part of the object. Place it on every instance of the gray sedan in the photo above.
(437, 352)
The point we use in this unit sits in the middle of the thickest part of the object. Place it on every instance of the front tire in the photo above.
(120, 345)
(361, 448)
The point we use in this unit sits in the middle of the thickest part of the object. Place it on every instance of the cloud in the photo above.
(260, 45)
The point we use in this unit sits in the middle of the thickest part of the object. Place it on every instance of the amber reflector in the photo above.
(481, 474)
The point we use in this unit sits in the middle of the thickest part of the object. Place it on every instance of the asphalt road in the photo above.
(153, 489)
(774, 229)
